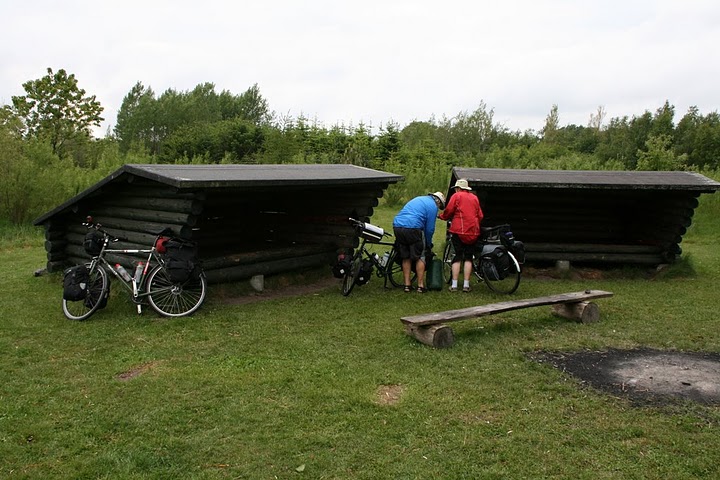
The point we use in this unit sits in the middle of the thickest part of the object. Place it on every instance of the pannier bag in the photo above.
(93, 243)
(518, 250)
(496, 263)
(516, 247)
(371, 233)
(181, 259)
(75, 283)
(342, 265)
(366, 270)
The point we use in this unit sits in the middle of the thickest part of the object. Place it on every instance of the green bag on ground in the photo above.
(434, 276)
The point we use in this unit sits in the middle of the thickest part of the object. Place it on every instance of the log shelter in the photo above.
(603, 217)
(247, 220)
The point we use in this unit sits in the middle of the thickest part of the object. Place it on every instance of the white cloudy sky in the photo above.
(376, 61)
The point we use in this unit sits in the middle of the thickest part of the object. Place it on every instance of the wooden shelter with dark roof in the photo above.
(246, 219)
(621, 217)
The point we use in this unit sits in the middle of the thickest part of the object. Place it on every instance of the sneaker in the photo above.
(453, 289)
(466, 289)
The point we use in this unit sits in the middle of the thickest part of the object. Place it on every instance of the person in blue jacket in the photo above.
(414, 227)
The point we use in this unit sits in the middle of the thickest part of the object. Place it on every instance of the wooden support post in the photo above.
(582, 312)
(438, 336)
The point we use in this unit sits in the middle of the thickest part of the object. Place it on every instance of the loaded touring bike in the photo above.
(357, 267)
(497, 260)
(172, 284)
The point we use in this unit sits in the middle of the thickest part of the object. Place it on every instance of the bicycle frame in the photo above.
(132, 286)
(382, 271)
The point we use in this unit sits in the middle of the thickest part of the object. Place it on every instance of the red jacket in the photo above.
(464, 212)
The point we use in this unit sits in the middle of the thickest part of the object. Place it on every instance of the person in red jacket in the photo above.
(465, 215)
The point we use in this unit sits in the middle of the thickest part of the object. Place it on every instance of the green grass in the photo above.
(287, 388)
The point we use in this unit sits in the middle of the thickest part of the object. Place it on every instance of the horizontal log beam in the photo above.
(240, 272)
(158, 216)
(246, 258)
(638, 258)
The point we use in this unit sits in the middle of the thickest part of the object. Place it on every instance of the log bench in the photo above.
(430, 328)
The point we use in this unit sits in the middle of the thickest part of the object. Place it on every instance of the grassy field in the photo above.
(324, 386)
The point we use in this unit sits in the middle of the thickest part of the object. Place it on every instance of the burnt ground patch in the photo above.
(645, 377)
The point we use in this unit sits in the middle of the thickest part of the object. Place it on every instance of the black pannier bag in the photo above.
(518, 250)
(181, 259)
(516, 247)
(75, 283)
(93, 243)
(342, 265)
(366, 270)
(496, 264)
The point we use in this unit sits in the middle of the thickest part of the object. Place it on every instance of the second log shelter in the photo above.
(606, 217)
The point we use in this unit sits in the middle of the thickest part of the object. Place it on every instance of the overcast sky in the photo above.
(376, 61)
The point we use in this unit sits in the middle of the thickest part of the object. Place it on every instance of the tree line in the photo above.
(48, 153)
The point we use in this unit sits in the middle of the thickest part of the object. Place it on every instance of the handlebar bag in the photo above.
(93, 243)
(371, 233)
(75, 283)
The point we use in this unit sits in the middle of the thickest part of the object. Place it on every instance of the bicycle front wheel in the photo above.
(505, 285)
(352, 273)
(96, 292)
(175, 299)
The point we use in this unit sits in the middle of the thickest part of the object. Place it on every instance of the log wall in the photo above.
(240, 232)
(592, 225)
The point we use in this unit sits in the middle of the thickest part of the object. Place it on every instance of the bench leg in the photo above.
(583, 312)
(438, 336)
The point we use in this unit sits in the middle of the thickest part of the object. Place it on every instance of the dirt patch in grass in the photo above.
(282, 288)
(389, 394)
(136, 371)
(644, 376)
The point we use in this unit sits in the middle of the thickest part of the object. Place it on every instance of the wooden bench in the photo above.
(429, 328)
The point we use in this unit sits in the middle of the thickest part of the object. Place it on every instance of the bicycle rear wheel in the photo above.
(395, 273)
(352, 273)
(175, 299)
(506, 285)
(97, 289)
(447, 259)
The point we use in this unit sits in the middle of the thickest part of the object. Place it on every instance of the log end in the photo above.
(436, 336)
(582, 312)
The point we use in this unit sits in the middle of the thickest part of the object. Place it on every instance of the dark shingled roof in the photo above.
(194, 176)
(586, 179)
(218, 176)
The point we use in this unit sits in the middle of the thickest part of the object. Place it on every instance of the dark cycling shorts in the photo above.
(410, 243)
(463, 251)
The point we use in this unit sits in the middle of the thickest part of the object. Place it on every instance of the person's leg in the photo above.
(406, 268)
(467, 271)
(420, 271)
(455, 269)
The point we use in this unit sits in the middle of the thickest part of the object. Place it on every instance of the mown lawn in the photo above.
(297, 387)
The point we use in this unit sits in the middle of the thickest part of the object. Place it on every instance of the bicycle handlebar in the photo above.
(89, 223)
(359, 224)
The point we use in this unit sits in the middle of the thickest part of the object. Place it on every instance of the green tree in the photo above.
(136, 119)
(552, 124)
(658, 155)
(55, 109)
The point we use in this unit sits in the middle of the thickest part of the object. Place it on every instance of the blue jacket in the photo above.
(420, 212)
